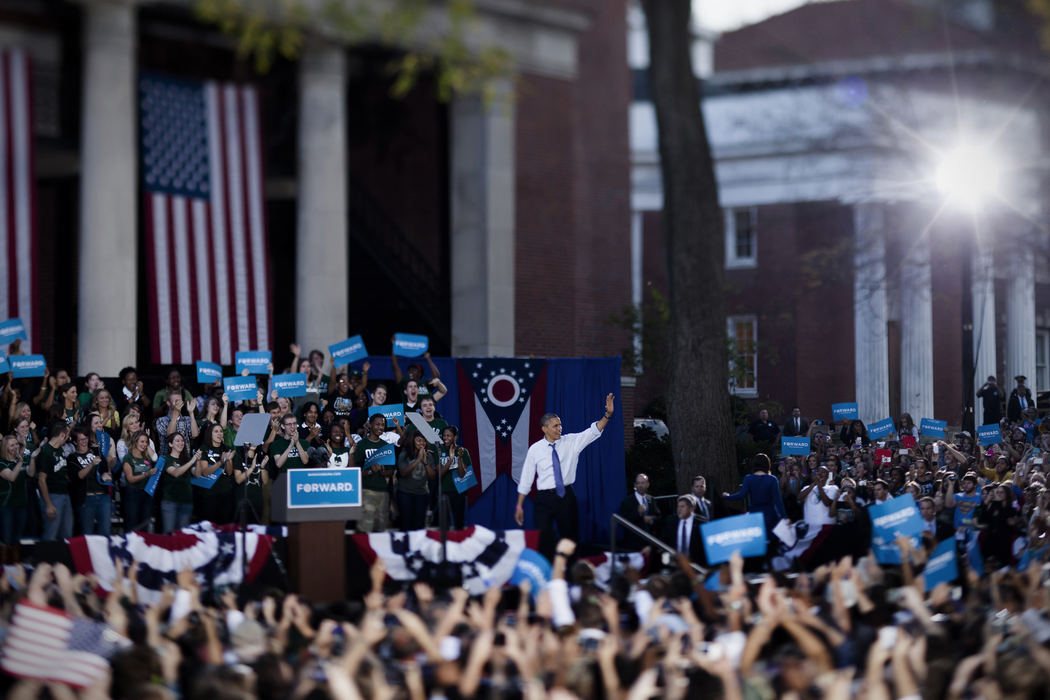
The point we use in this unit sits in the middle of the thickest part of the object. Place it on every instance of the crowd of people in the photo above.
(75, 458)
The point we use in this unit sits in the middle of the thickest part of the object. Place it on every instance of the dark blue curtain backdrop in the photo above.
(576, 390)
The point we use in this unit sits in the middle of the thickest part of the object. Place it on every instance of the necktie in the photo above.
(797, 426)
(559, 482)
(683, 546)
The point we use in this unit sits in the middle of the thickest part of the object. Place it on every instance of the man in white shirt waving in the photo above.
(552, 463)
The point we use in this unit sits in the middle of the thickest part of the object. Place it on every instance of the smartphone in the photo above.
(887, 637)
(936, 448)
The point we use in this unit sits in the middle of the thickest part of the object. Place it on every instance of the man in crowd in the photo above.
(991, 401)
(1020, 399)
(684, 531)
(640, 510)
(762, 429)
(796, 425)
(703, 511)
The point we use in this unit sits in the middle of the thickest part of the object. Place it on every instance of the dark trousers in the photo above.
(413, 507)
(549, 510)
(138, 507)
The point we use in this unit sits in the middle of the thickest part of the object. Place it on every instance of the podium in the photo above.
(315, 504)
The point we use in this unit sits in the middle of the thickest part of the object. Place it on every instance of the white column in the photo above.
(482, 182)
(108, 250)
(1020, 317)
(871, 351)
(322, 263)
(983, 284)
(916, 330)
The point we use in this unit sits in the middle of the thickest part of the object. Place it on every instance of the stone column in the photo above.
(1020, 319)
(482, 231)
(107, 326)
(983, 286)
(916, 330)
(871, 350)
(322, 265)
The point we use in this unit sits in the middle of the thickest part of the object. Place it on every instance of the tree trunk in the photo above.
(698, 371)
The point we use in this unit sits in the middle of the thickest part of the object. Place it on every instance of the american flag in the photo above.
(206, 244)
(17, 200)
(501, 401)
(44, 643)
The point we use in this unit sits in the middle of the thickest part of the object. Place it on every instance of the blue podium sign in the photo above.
(324, 488)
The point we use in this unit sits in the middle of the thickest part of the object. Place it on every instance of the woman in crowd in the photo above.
(316, 380)
(67, 407)
(178, 418)
(92, 469)
(906, 426)
(311, 435)
(251, 477)
(415, 467)
(139, 467)
(14, 503)
(455, 462)
(102, 404)
(19, 410)
(176, 505)
(336, 447)
(214, 502)
(854, 433)
(214, 413)
(999, 523)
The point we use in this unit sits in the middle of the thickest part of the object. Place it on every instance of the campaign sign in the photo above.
(842, 411)
(4, 367)
(240, 388)
(931, 426)
(383, 456)
(466, 482)
(12, 330)
(987, 435)
(889, 520)
(737, 533)
(208, 372)
(206, 482)
(324, 488)
(255, 361)
(534, 568)
(290, 385)
(942, 566)
(391, 411)
(794, 445)
(883, 456)
(151, 483)
(408, 345)
(350, 350)
(27, 365)
(880, 429)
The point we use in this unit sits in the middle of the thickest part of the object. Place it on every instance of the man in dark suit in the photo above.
(930, 523)
(703, 511)
(639, 509)
(796, 425)
(1020, 399)
(684, 531)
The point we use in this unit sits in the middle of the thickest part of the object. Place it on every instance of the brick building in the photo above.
(850, 275)
(496, 231)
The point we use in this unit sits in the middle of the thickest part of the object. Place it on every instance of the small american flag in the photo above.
(44, 643)
(17, 204)
(206, 243)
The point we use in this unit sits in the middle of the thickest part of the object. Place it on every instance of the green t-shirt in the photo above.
(223, 483)
(277, 448)
(139, 466)
(373, 481)
(91, 483)
(52, 464)
(340, 457)
(177, 489)
(13, 493)
(84, 399)
(447, 484)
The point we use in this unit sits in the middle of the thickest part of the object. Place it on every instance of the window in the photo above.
(1042, 360)
(743, 355)
(741, 237)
